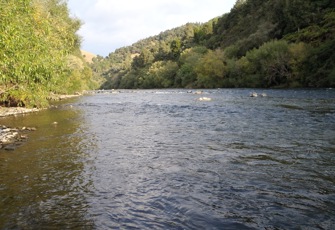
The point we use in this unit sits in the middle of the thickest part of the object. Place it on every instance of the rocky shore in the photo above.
(59, 97)
(11, 138)
(12, 111)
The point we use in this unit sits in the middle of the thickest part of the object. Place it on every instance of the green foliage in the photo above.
(319, 66)
(272, 43)
(130, 80)
(144, 59)
(36, 39)
(175, 48)
(316, 34)
(211, 69)
(186, 75)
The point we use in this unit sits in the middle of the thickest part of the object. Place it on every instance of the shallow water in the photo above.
(149, 159)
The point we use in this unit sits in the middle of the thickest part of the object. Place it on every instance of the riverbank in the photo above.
(13, 137)
(59, 97)
(14, 111)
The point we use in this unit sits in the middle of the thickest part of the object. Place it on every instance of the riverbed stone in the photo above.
(11, 138)
(10, 147)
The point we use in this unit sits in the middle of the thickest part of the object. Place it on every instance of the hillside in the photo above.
(272, 43)
(88, 57)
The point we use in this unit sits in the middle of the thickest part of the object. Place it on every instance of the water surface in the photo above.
(162, 159)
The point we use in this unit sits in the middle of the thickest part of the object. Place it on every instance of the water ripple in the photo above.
(163, 159)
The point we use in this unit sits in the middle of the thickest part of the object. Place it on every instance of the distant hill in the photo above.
(259, 43)
(88, 56)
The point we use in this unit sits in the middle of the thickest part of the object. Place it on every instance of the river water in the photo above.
(162, 159)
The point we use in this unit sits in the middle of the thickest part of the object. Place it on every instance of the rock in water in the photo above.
(205, 99)
(11, 138)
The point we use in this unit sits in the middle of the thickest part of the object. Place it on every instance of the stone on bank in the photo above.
(11, 138)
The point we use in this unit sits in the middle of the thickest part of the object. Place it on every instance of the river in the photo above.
(162, 159)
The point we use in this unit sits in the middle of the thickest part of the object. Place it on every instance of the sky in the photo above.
(111, 24)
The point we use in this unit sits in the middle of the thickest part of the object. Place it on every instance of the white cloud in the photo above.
(111, 24)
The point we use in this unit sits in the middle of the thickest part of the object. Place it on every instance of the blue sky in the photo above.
(111, 24)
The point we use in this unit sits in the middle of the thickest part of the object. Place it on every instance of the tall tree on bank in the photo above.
(36, 40)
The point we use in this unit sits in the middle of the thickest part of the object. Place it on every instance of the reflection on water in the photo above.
(165, 160)
(42, 183)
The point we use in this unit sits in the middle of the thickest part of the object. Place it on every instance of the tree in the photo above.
(143, 59)
(186, 75)
(272, 62)
(36, 38)
(211, 69)
(175, 48)
(239, 3)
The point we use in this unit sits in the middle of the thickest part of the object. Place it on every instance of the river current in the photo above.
(162, 159)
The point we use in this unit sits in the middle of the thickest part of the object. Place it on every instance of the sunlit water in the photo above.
(165, 160)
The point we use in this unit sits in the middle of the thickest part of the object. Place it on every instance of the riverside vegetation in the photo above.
(40, 53)
(259, 43)
(272, 43)
(40, 60)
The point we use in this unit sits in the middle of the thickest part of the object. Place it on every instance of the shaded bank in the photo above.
(13, 137)
(13, 111)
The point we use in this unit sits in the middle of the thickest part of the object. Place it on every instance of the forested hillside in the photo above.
(39, 52)
(259, 43)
